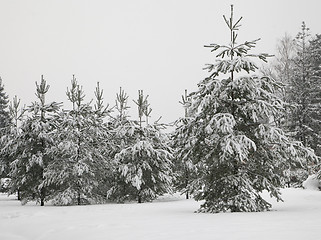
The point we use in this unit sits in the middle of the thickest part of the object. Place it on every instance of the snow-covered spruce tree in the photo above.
(184, 168)
(236, 146)
(79, 162)
(4, 127)
(29, 168)
(144, 162)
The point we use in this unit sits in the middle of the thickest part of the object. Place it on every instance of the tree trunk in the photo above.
(78, 199)
(19, 195)
(42, 196)
(139, 197)
(186, 183)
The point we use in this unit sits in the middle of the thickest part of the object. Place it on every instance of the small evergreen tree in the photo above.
(29, 168)
(144, 162)
(4, 127)
(117, 188)
(185, 170)
(78, 160)
(4, 112)
(11, 140)
(101, 130)
(235, 144)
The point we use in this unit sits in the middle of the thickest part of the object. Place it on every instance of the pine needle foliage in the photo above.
(30, 164)
(234, 142)
(4, 129)
(4, 112)
(80, 143)
(305, 92)
(185, 170)
(143, 168)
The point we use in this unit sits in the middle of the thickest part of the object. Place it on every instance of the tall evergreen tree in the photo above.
(311, 106)
(236, 145)
(300, 87)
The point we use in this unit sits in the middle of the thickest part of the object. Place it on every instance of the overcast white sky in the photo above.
(156, 46)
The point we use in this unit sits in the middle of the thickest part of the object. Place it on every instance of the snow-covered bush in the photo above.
(4, 184)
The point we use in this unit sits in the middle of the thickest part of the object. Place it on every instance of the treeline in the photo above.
(244, 131)
(297, 67)
(84, 154)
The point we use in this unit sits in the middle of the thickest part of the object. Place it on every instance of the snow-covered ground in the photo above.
(170, 218)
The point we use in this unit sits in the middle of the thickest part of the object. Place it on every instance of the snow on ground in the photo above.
(312, 183)
(170, 218)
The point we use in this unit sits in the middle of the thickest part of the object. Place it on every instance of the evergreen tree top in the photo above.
(230, 133)
(4, 112)
(41, 108)
(3, 96)
(235, 57)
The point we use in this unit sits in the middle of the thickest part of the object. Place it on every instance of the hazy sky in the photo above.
(152, 45)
